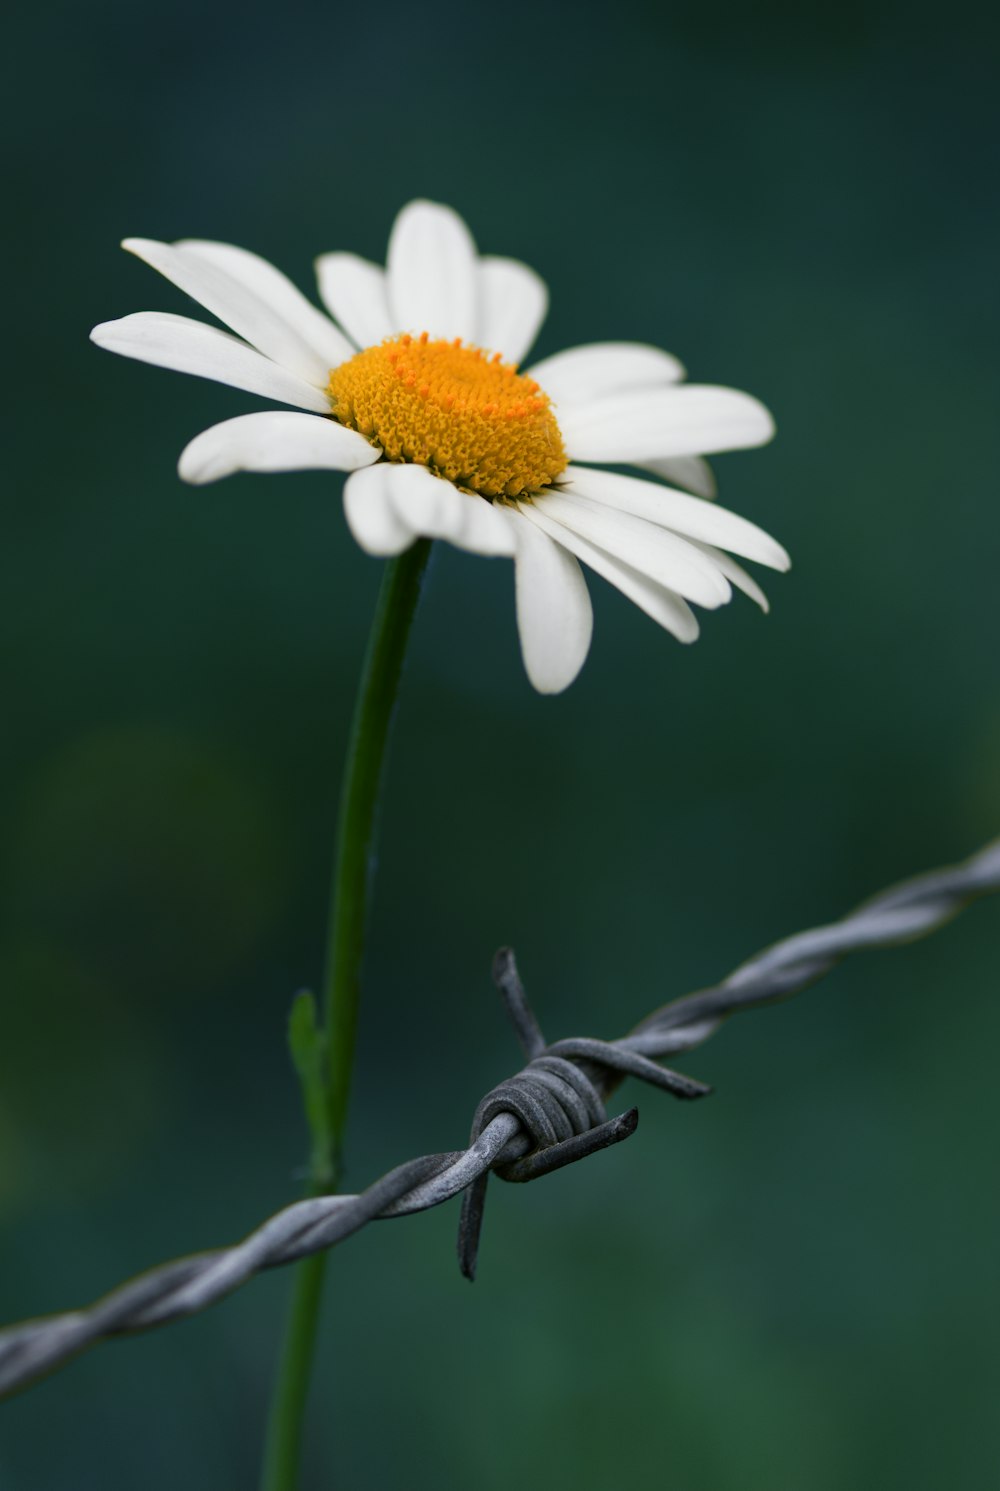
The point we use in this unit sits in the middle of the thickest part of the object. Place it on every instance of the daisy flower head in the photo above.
(414, 387)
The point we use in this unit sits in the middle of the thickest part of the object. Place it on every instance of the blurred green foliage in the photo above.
(791, 1286)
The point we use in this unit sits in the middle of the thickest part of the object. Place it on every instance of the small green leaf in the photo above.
(305, 1039)
(308, 1046)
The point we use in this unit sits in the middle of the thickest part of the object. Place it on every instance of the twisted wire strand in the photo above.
(549, 1114)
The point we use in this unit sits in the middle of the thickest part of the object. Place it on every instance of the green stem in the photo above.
(354, 857)
(352, 875)
(283, 1444)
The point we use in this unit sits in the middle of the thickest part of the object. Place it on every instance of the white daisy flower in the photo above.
(414, 387)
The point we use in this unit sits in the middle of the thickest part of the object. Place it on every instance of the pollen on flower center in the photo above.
(468, 416)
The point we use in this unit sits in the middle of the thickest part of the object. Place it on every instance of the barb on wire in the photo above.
(550, 1114)
(559, 1099)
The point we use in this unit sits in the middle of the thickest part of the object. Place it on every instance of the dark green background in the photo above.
(791, 1287)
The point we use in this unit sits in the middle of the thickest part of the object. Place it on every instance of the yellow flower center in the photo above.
(467, 416)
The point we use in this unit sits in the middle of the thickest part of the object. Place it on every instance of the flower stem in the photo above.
(354, 859)
(283, 1443)
(352, 876)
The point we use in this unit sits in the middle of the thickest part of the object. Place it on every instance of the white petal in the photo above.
(663, 556)
(690, 473)
(513, 300)
(737, 575)
(690, 516)
(555, 619)
(582, 374)
(317, 331)
(432, 272)
(666, 608)
(431, 507)
(694, 419)
(189, 346)
(354, 290)
(259, 321)
(370, 513)
(276, 441)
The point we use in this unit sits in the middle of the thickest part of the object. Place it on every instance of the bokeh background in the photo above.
(792, 1285)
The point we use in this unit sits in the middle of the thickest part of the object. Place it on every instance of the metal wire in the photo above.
(550, 1114)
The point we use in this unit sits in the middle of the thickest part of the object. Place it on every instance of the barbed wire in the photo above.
(550, 1114)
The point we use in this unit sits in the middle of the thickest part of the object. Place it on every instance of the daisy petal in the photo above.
(689, 516)
(189, 346)
(737, 575)
(431, 272)
(370, 514)
(276, 441)
(317, 331)
(554, 615)
(354, 291)
(655, 552)
(665, 607)
(261, 322)
(695, 419)
(513, 300)
(582, 374)
(690, 473)
(431, 507)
